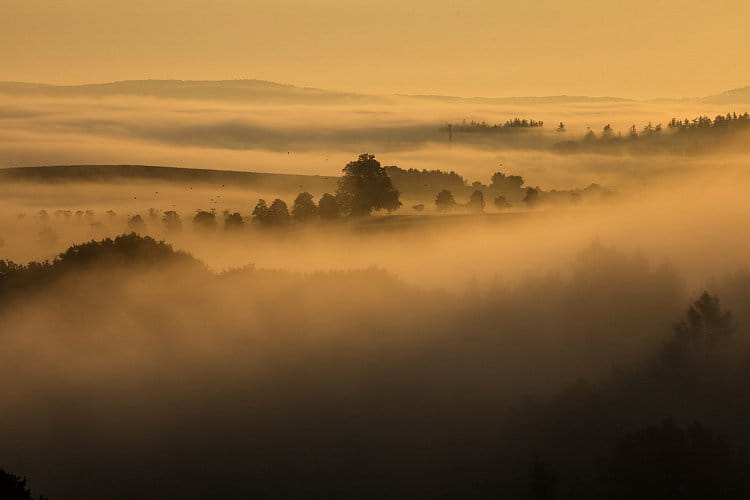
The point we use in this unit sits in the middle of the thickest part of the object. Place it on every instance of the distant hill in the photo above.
(110, 173)
(257, 90)
(223, 90)
(271, 92)
(735, 96)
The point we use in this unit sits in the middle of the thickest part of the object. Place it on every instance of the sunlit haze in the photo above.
(374, 250)
(477, 47)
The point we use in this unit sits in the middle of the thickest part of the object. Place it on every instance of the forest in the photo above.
(687, 136)
(439, 410)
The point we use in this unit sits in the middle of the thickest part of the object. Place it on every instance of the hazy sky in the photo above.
(630, 48)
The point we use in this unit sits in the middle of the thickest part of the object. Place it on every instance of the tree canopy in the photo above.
(328, 208)
(204, 220)
(502, 182)
(476, 202)
(172, 221)
(233, 221)
(365, 187)
(304, 207)
(445, 200)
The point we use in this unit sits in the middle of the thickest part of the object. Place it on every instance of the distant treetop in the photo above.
(484, 127)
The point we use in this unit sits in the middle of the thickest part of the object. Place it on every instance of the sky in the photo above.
(632, 48)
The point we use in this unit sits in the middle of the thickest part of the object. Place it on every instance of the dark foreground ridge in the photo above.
(127, 251)
(165, 380)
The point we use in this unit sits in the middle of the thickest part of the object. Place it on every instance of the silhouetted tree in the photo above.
(304, 208)
(204, 221)
(414, 180)
(328, 208)
(275, 215)
(13, 487)
(445, 201)
(365, 187)
(704, 321)
(279, 213)
(476, 202)
(502, 182)
(261, 213)
(172, 222)
(501, 203)
(532, 196)
(137, 224)
(484, 127)
(233, 221)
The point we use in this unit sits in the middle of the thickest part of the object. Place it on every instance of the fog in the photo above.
(414, 354)
(294, 134)
(697, 223)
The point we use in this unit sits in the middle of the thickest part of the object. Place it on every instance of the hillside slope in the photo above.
(112, 173)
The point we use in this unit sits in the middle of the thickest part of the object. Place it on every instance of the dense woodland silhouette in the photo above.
(408, 425)
(13, 487)
(687, 136)
(483, 127)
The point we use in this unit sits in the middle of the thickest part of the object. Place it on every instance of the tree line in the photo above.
(365, 187)
(681, 136)
(484, 127)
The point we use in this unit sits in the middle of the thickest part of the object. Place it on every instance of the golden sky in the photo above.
(630, 48)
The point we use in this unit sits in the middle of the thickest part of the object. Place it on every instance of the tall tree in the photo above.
(501, 203)
(279, 212)
(204, 220)
(136, 224)
(304, 207)
(532, 196)
(261, 212)
(502, 182)
(476, 202)
(365, 187)
(328, 207)
(13, 487)
(233, 221)
(445, 201)
(172, 222)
